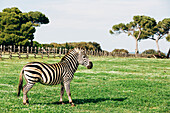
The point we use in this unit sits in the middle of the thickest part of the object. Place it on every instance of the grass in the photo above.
(113, 85)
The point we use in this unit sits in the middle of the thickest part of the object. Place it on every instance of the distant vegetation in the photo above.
(71, 45)
(120, 51)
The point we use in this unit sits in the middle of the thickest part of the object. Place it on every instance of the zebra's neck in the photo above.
(71, 60)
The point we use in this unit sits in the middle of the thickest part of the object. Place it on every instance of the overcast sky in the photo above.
(90, 20)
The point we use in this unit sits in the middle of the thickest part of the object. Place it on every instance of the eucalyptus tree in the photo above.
(161, 31)
(140, 28)
(18, 28)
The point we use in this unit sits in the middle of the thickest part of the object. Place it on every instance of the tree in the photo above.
(17, 28)
(161, 30)
(140, 28)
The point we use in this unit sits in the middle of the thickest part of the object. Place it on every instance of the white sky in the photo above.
(91, 20)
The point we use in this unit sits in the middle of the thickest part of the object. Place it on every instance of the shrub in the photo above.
(153, 52)
(120, 51)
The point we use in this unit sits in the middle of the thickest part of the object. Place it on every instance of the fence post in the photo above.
(1, 51)
(54, 52)
(19, 55)
(91, 53)
(31, 50)
(14, 49)
(27, 55)
(4, 49)
(94, 52)
(22, 49)
(60, 52)
(101, 53)
(104, 53)
(97, 52)
(85, 51)
(48, 51)
(35, 52)
(38, 50)
(8, 49)
(65, 51)
(10, 52)
(42, 52)
(110, 54)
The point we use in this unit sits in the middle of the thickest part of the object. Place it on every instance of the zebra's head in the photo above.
(83, 59)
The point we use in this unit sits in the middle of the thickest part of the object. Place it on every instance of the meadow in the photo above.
(113, 85)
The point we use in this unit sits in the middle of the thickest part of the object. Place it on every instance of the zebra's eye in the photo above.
(84, 56)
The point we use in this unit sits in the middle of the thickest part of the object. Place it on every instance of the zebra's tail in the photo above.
(20, 82)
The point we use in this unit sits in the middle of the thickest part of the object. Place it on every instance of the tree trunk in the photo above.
(158, 50)
(136, 50)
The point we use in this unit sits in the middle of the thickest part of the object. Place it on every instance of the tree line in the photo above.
(144, 27)
(71, 45)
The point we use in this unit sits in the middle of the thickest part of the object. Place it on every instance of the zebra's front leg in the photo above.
(67, 87)
(62, 93)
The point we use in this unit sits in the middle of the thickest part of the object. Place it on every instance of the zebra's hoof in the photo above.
(62, 103)
(26, 103)
(72, 105)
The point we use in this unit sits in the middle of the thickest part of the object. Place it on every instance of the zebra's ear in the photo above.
(77, 50)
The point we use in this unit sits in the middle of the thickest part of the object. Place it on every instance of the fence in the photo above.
(10, 52)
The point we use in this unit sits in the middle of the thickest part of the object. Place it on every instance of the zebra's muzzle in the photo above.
(90, 65)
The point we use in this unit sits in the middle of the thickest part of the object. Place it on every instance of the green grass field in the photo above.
(113, 85)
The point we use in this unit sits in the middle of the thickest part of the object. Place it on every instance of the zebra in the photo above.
(53, 74)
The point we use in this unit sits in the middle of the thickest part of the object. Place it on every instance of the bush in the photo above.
(120, 51)
(153, 52)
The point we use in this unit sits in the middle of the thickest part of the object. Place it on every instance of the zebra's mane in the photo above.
(64, 57)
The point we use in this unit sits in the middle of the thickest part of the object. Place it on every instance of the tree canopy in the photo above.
(162, 29)
(168, 38)
(17, 28)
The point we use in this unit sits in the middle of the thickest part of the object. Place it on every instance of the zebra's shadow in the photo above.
(83, 101)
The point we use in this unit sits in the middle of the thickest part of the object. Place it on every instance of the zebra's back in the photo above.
(50, 74)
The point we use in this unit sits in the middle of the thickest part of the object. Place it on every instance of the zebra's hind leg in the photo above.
(62, 93)
(26, 88)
